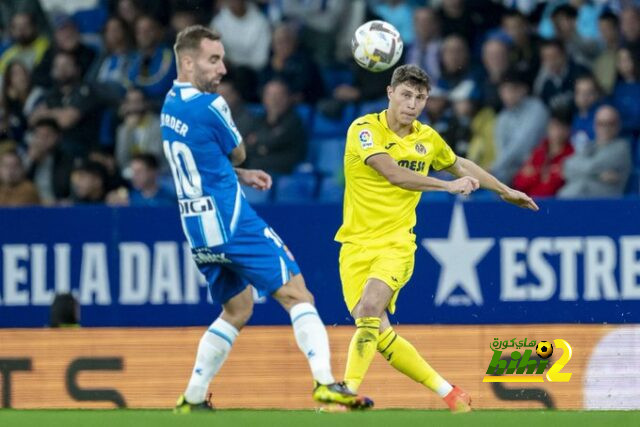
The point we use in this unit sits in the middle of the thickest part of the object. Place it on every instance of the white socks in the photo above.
(216, 343)
(213, 350)
(444, 388)
(312, 340)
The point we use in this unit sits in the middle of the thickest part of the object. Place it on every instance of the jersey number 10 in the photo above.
(183, 167)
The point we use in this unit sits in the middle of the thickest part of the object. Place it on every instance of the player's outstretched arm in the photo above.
(465, 167)
(254, 178)
(410, 180)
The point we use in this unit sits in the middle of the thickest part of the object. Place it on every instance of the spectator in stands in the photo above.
(604, 67)
(456, 63)
(321, 22)
(105, 157)
(241, 115)
(626, 94)
(541, 175)
(243, 17)
(109, 74)
(72, 104)
(587, 100)
(554, 83)
(146, 190)
(88, 183)
(630, 28)
(425, 49)
(367, 86)
(15, 189)
(519, 126)
(456, 18)
(495, 58)
(66, 38)
(153, 68)
(18, 100)
(525, 56)
(28, 46)
(182, 17)
(110, 71)
(292, 65)
(129, 11)
(278, 142)
(459, 132)
(437, 112)
(602, 169)
(581, 50)
(139, 131)
(482, 148)
(46, 164)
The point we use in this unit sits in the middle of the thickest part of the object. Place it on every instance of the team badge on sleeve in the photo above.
(366, 140)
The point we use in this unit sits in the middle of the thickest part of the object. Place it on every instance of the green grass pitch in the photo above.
(375, 418)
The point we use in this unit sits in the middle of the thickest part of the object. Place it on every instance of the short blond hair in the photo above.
(190, 38)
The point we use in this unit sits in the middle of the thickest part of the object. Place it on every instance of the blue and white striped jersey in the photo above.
(198, 135)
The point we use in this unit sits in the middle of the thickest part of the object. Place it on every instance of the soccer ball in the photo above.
(544, 349)
(376, 46)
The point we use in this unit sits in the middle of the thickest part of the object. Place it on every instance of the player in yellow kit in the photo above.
(388, 156)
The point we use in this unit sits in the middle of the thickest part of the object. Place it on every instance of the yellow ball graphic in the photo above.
(544, 349)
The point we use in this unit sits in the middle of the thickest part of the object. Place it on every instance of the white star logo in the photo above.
(458, 256)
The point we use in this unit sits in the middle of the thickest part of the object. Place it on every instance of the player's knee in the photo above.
(368, 308)
(293, 292)
(239, 316)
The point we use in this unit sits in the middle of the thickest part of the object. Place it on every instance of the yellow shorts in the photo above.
(393, 265)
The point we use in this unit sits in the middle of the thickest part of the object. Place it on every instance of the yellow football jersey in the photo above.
(377, 213)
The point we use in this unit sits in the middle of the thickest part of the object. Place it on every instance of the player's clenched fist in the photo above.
(465, 185)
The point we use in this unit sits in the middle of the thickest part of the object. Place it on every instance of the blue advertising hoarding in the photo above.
(476, 262)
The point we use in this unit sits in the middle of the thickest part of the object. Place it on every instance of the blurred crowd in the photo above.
(543, 94)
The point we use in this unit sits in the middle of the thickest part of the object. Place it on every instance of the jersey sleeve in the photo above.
(444, 156)
(365, 139)
(225, 130)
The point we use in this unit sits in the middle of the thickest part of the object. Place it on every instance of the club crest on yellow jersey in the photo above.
(421, 149)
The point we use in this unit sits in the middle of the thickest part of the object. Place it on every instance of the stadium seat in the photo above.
(334, 77)
(324, 126)
(295, 188)
(328, 156)
(331, 191)
(305, 111)
(257, 197)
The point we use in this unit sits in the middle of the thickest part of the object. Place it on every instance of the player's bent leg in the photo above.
(404, 357)
(293, 292)
(312, 339)
(238, 310)
(367, 312)
(213, 349)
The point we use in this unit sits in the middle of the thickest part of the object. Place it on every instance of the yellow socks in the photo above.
(403, 356)
(361, 350)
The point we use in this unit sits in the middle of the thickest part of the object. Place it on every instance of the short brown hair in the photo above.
(411, 75)
(190, 38)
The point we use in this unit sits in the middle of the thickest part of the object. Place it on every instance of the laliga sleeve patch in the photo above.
(366, 140)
